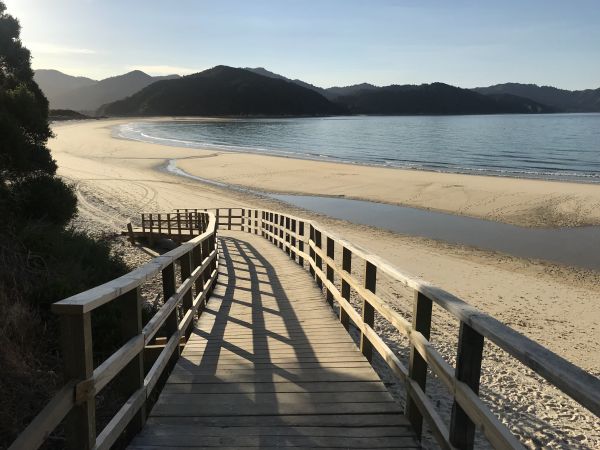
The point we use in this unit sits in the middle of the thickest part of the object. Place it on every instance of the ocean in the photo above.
(550, 146)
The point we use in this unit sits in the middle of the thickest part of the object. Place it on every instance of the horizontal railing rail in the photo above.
(197, 263)
(313, 247)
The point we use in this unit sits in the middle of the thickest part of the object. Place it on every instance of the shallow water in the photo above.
(552, 146)
(574, 246)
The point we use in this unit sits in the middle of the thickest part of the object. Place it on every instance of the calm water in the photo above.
(576, 246)
(556, 146)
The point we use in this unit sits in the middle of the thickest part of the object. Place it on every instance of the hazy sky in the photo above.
(465, 43)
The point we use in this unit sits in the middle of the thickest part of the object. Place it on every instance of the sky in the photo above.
(326, 42)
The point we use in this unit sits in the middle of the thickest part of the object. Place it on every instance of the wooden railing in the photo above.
(196, 262)
(313, 247)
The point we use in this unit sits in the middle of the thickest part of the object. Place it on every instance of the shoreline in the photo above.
(330, 159)
(517, 201)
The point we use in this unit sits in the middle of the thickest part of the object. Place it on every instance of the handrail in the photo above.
(312, 247)
(198, 263)
(308, 242)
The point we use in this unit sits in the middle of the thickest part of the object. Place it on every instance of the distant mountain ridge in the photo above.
(587, 100)
(434, 98)
(88, 95)
(331, 93)
(224, 91)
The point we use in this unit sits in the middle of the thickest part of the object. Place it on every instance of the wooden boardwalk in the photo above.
(269, 365)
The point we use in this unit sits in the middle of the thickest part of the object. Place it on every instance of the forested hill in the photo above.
(435, 98)
(223, 91)
(587, 100)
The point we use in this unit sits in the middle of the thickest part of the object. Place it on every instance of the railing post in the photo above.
(368, 313)
(417, 368)
(468, 370)
(130, 305)
(330, 254)
(347, 266)
(256, 221)
(281, 231)
(301, 242)
(169, 287)
(229, 222)
(187, 300)
(151, 235)
(197, 262)
(217, 219)
(311, 251)
(159, 224)
(287, 235)
(76, 339)
(190, 222)
(169, 224)
(293, 238)
(318, 259)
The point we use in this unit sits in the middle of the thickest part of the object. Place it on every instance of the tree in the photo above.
(26, 166)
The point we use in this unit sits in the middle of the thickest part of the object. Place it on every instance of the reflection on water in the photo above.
(575, 246)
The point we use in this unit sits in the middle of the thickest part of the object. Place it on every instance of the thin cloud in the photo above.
(53, 49)
(164, 69)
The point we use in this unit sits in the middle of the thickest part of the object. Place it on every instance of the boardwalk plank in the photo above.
(268, 365)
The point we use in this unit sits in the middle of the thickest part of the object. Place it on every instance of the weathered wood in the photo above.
(417, 367)
(468, 370)
(130, 305)
(318, 259)
(368, 313)
(347, 267)
(76, 339)
(185, 264)
(330, 254)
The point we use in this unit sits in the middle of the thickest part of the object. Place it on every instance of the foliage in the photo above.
(224, 91)
(26, 166)
(434, 98)
(41, 261)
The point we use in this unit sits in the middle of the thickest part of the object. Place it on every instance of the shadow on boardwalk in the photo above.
(270, 366)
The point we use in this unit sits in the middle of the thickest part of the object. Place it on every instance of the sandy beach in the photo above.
(557, 306)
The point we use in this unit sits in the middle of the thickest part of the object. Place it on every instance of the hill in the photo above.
(434, 98)
(331, 93)
(224, 91)
(55, 84)
(560, 99)
(88, 95)
(66, 114)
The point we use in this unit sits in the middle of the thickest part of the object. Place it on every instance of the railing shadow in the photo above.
(255, 328)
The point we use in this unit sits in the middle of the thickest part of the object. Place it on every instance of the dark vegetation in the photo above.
(66, 114)
(587, 100)
(42, 259)
(223, 91)
(435, 98)
(226, 91)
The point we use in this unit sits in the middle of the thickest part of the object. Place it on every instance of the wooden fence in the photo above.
(196, 262)
(313, 247)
